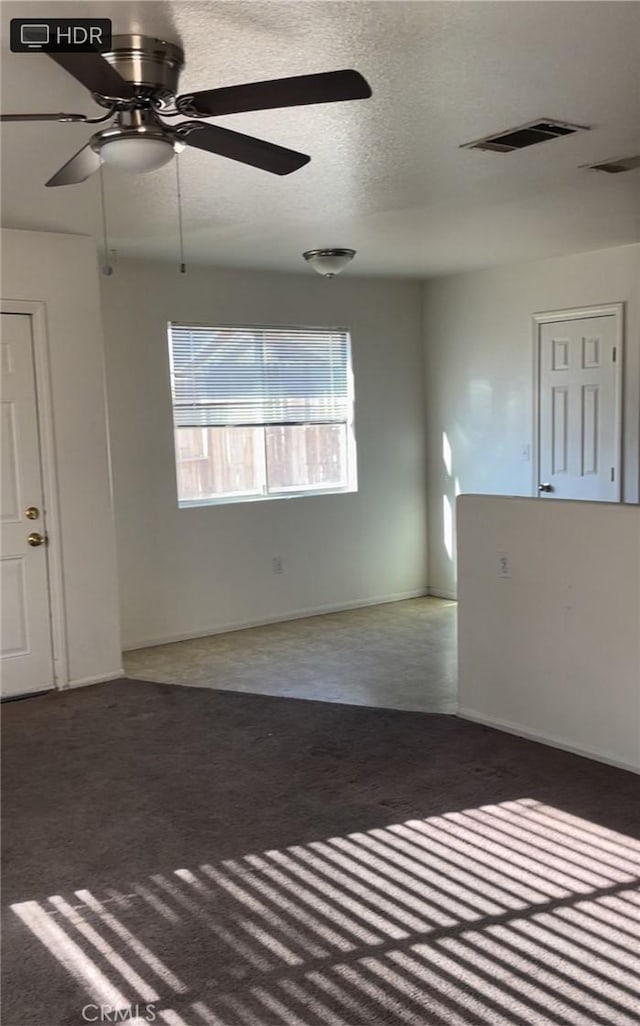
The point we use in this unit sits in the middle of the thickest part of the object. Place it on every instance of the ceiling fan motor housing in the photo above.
(153, 66)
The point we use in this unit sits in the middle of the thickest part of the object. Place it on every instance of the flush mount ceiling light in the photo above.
(329, 262)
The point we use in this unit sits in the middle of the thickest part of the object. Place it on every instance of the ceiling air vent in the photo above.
(615, 167)
(526, 135)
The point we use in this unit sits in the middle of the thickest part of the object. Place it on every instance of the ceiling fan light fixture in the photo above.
(329, 262)
(136, 154)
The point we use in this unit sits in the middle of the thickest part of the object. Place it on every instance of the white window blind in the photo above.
(251, 376)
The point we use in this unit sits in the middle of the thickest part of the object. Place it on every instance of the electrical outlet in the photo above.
(277, 565)
(504, 565)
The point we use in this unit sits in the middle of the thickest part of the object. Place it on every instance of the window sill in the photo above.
(227, 500)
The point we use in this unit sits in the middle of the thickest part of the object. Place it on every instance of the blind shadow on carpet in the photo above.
(202, 858)
(506, 914)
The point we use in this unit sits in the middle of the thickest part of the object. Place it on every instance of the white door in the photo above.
(579, 363)
(25, 621)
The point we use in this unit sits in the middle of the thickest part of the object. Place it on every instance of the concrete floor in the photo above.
(401, 655)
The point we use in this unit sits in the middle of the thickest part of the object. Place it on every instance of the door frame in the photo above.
(615, 310)
(37, 311)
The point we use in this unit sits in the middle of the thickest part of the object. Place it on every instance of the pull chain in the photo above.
(106, 267)
(183, 266)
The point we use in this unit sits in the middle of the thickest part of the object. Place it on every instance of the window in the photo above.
(261, 413)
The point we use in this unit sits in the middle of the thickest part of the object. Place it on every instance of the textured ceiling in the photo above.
(387, 175)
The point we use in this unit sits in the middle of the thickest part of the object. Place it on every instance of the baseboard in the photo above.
(546, 739)
(443, 594)
(100, 678)
(299, 614)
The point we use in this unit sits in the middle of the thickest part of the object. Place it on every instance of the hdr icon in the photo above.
(58, 35)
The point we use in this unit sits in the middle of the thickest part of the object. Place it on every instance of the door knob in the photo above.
(545, 488)
(35, 539)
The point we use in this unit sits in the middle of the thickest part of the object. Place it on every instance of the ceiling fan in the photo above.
(137, 81)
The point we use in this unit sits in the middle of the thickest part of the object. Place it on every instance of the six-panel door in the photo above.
(26, 649)
(579, 425)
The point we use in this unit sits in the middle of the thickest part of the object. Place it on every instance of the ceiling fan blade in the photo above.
(81, 166)
(43, 117)
(245, 148)
(279, 92)
(94, 73)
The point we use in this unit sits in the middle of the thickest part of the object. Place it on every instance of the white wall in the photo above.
(553, 652)
(189, 571)
(479, 365)
(61, 272)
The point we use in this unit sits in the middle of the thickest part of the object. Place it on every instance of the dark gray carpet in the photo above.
(222, 858)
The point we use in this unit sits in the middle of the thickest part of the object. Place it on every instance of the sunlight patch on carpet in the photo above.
(509, 913)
